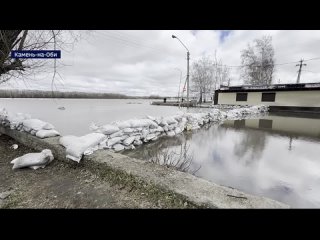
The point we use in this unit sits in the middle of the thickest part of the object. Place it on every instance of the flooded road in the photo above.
(275, 156)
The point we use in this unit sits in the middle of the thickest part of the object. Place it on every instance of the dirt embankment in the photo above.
(61, 185)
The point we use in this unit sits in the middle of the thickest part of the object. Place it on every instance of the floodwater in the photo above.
(80, 113)
(275, 156)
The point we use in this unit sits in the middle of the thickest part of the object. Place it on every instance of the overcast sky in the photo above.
(143, 62)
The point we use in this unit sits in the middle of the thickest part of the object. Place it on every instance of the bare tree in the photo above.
(221, 73)
(31, 40)
(202, 77)
(258, 62)
(207, 75)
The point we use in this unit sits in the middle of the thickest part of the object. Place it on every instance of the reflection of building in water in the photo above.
(284, 125)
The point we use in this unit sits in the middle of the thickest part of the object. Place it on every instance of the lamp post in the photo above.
(188, 58)
(179, 83)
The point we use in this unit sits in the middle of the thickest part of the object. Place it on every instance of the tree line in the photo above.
(8, 93)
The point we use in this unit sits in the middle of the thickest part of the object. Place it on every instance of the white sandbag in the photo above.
(128, 141)
(130, 147)
(150, 136)
(154, 139)
(103, 144)
(75, 146)
(113, 141)
(109, 129)
(16, 119)
(144, 133)
(47, 133)
(124, 137)
(127, 130)
(135, 134)
(117, 134)
(90, 150)
(137, 137)
(122, 124)
(135, 123)
(172, 126)
(171, 133)
(33, 160)
(33, 132)
(177, 130)
(36, 124)
(48, 126)
(118, 147)
(3, 114)
(151, 118)
(137, 142)
(169, 120)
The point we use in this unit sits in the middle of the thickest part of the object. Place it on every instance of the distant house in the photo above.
(303, 97)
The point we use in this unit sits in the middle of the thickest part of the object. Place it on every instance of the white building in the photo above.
(304, 97)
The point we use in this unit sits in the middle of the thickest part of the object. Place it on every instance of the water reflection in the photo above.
(275, 156)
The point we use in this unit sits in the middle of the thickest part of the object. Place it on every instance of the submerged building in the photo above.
(302, 97)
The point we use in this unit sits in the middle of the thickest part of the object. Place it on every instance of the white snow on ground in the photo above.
(24, 122)
(33, 160)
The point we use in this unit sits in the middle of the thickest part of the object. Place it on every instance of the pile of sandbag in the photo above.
(33, 160)
(128, 134)
(24, 122)
(121, 135)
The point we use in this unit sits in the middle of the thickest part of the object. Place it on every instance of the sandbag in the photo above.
(171, 133)
(47, 133)
(113, 141)
(128, 141)
(127, 130)
(117, 134)
(109, 129)
(118, 147)
(75, 146)
(36, 124)
(33, 160)
(137, 142)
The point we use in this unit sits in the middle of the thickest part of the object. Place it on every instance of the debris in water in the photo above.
(61, 108)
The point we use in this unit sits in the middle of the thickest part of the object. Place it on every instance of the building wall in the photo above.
(283, 98)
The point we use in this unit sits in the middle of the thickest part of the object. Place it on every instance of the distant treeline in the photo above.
(49, 94)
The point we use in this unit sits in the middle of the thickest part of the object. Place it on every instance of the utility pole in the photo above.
(188, 58)
(299, 71)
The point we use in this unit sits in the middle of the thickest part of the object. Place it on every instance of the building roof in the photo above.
(270, 88)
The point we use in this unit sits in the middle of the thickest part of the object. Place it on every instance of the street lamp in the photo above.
(188, 58)
(179, 83)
